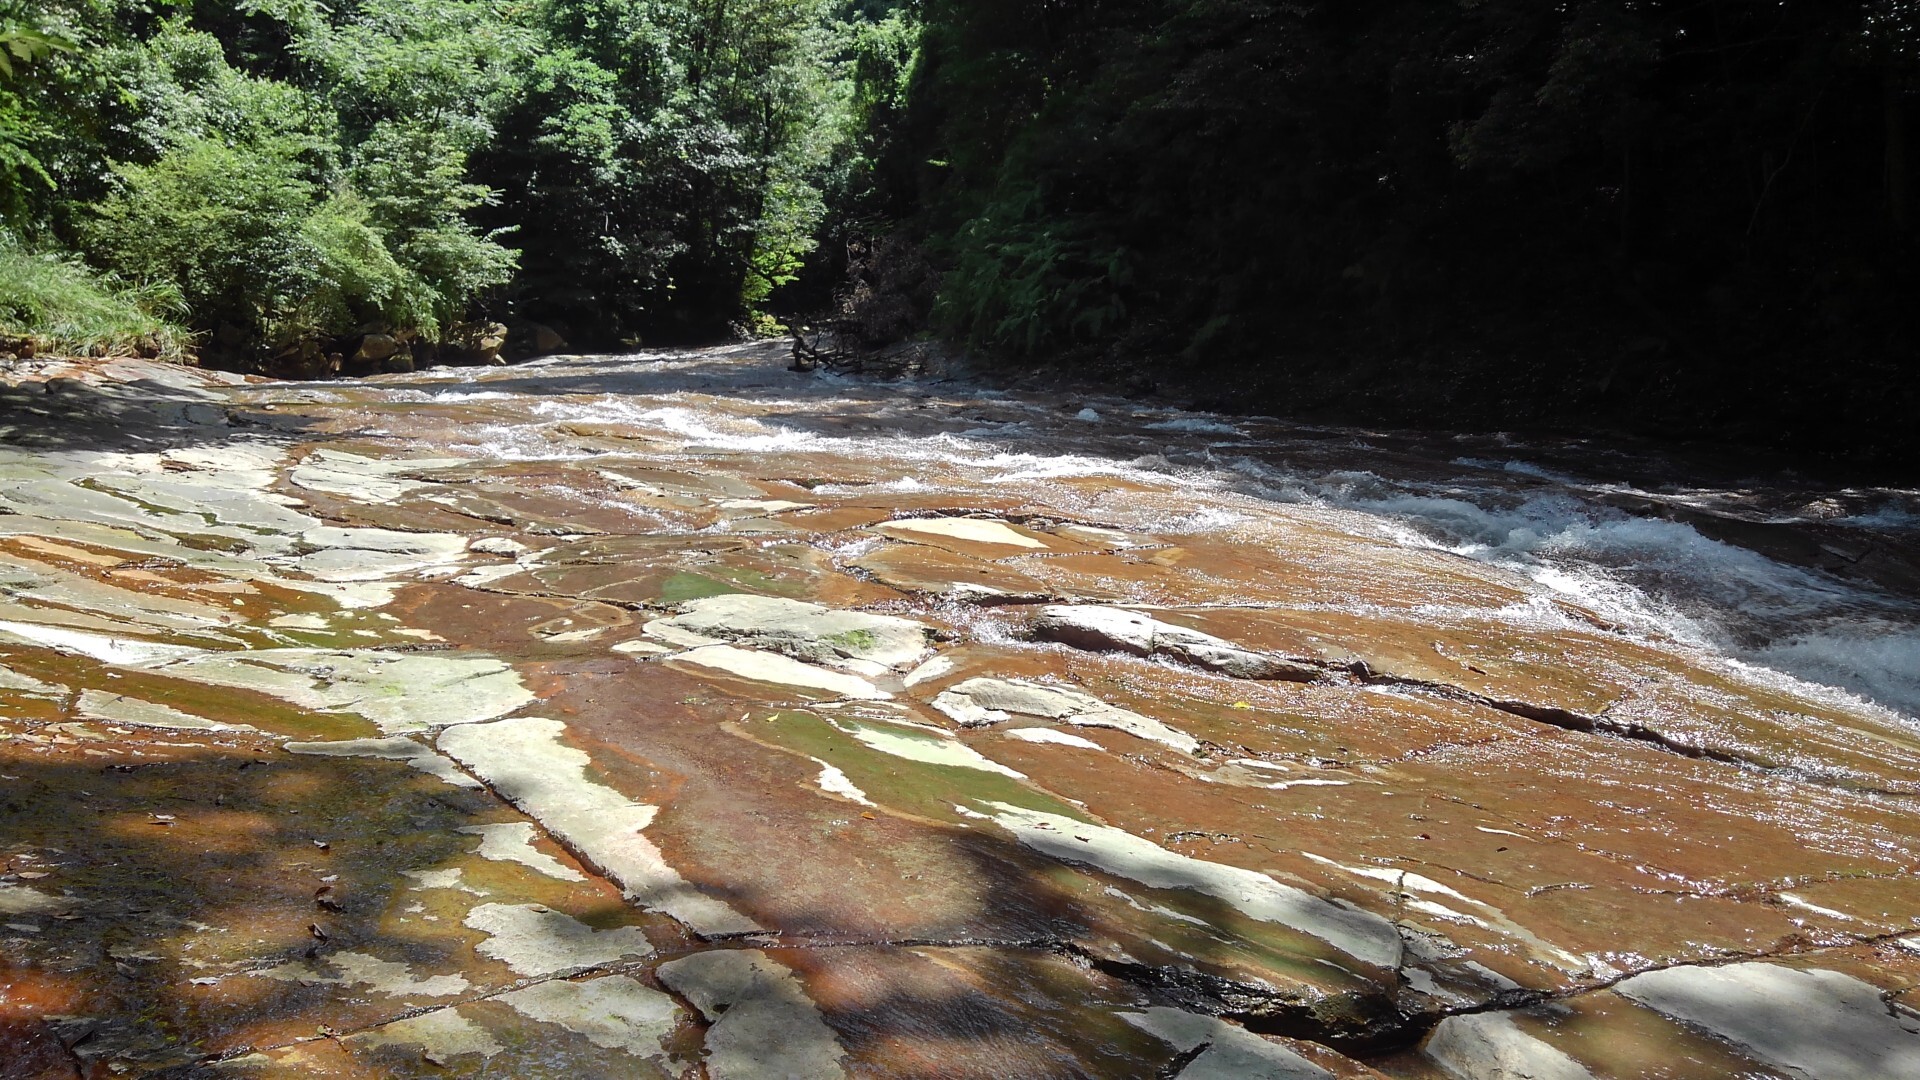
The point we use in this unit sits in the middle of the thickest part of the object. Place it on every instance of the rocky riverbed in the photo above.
(680, 715)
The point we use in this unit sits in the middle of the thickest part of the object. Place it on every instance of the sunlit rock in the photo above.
(1087, 627)
(513, 842)
(540, 941)
(1365, 936)
(442, 1037)
(1489, 1046)
(387, 977)
(1226, 1052)
(981, 702)
(804, 631)
(526, 763)
(982, 532)
(614, 1012)
(1820, 1024)
(780, 671)
(120, 709)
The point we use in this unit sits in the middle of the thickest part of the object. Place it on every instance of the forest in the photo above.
(1685, 217)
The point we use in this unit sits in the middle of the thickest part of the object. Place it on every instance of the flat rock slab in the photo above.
(1820, 1024)
(763, 1022)
(528, 762)
(804, 631)
(980, 702)
(1088, 627)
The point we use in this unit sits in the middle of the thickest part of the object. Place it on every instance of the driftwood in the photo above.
(825, 347)
(843, 354)
(838, 350)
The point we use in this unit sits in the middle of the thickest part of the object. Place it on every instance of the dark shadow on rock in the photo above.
(63, 414)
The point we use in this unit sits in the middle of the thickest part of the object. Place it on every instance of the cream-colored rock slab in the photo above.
(394, 748)
(1814, 1023)
(1490, 1046)
(120, 709)
(512, 841)
(614, 1012)
(982, 701)
(1361, 934)
(780, 671)
(525, 761)
(534, 940)
(803, 631)
(442, 1037)
(970, 530)
(1231, 1053)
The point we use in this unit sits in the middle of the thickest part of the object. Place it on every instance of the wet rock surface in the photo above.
(678, 715)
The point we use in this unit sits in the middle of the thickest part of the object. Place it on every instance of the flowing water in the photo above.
(678, 714)
(1816, 582)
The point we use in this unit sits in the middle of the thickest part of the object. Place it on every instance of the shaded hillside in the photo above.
(1694, 217)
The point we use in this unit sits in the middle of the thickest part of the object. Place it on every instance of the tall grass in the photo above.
(63, 307)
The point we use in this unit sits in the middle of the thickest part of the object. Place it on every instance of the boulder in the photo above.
(474, 343)
(1104, 629)
(375, 349)
(526, 340)
(400, 363)
(546, 339)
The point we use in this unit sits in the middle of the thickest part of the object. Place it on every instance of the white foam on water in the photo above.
(1890, 515)
(1648, 575)
(462, 396)
(1196, 424)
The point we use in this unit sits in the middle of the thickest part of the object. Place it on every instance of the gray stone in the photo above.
(1820, 1024)
(764, 1025)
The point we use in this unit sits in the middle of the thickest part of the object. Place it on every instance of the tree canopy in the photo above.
(1398, 207)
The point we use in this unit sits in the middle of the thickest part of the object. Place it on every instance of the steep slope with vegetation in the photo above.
(1443, 212)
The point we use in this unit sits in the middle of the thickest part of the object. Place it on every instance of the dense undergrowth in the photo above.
(57, 305)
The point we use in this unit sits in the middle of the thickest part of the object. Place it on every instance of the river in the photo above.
(679, 714)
